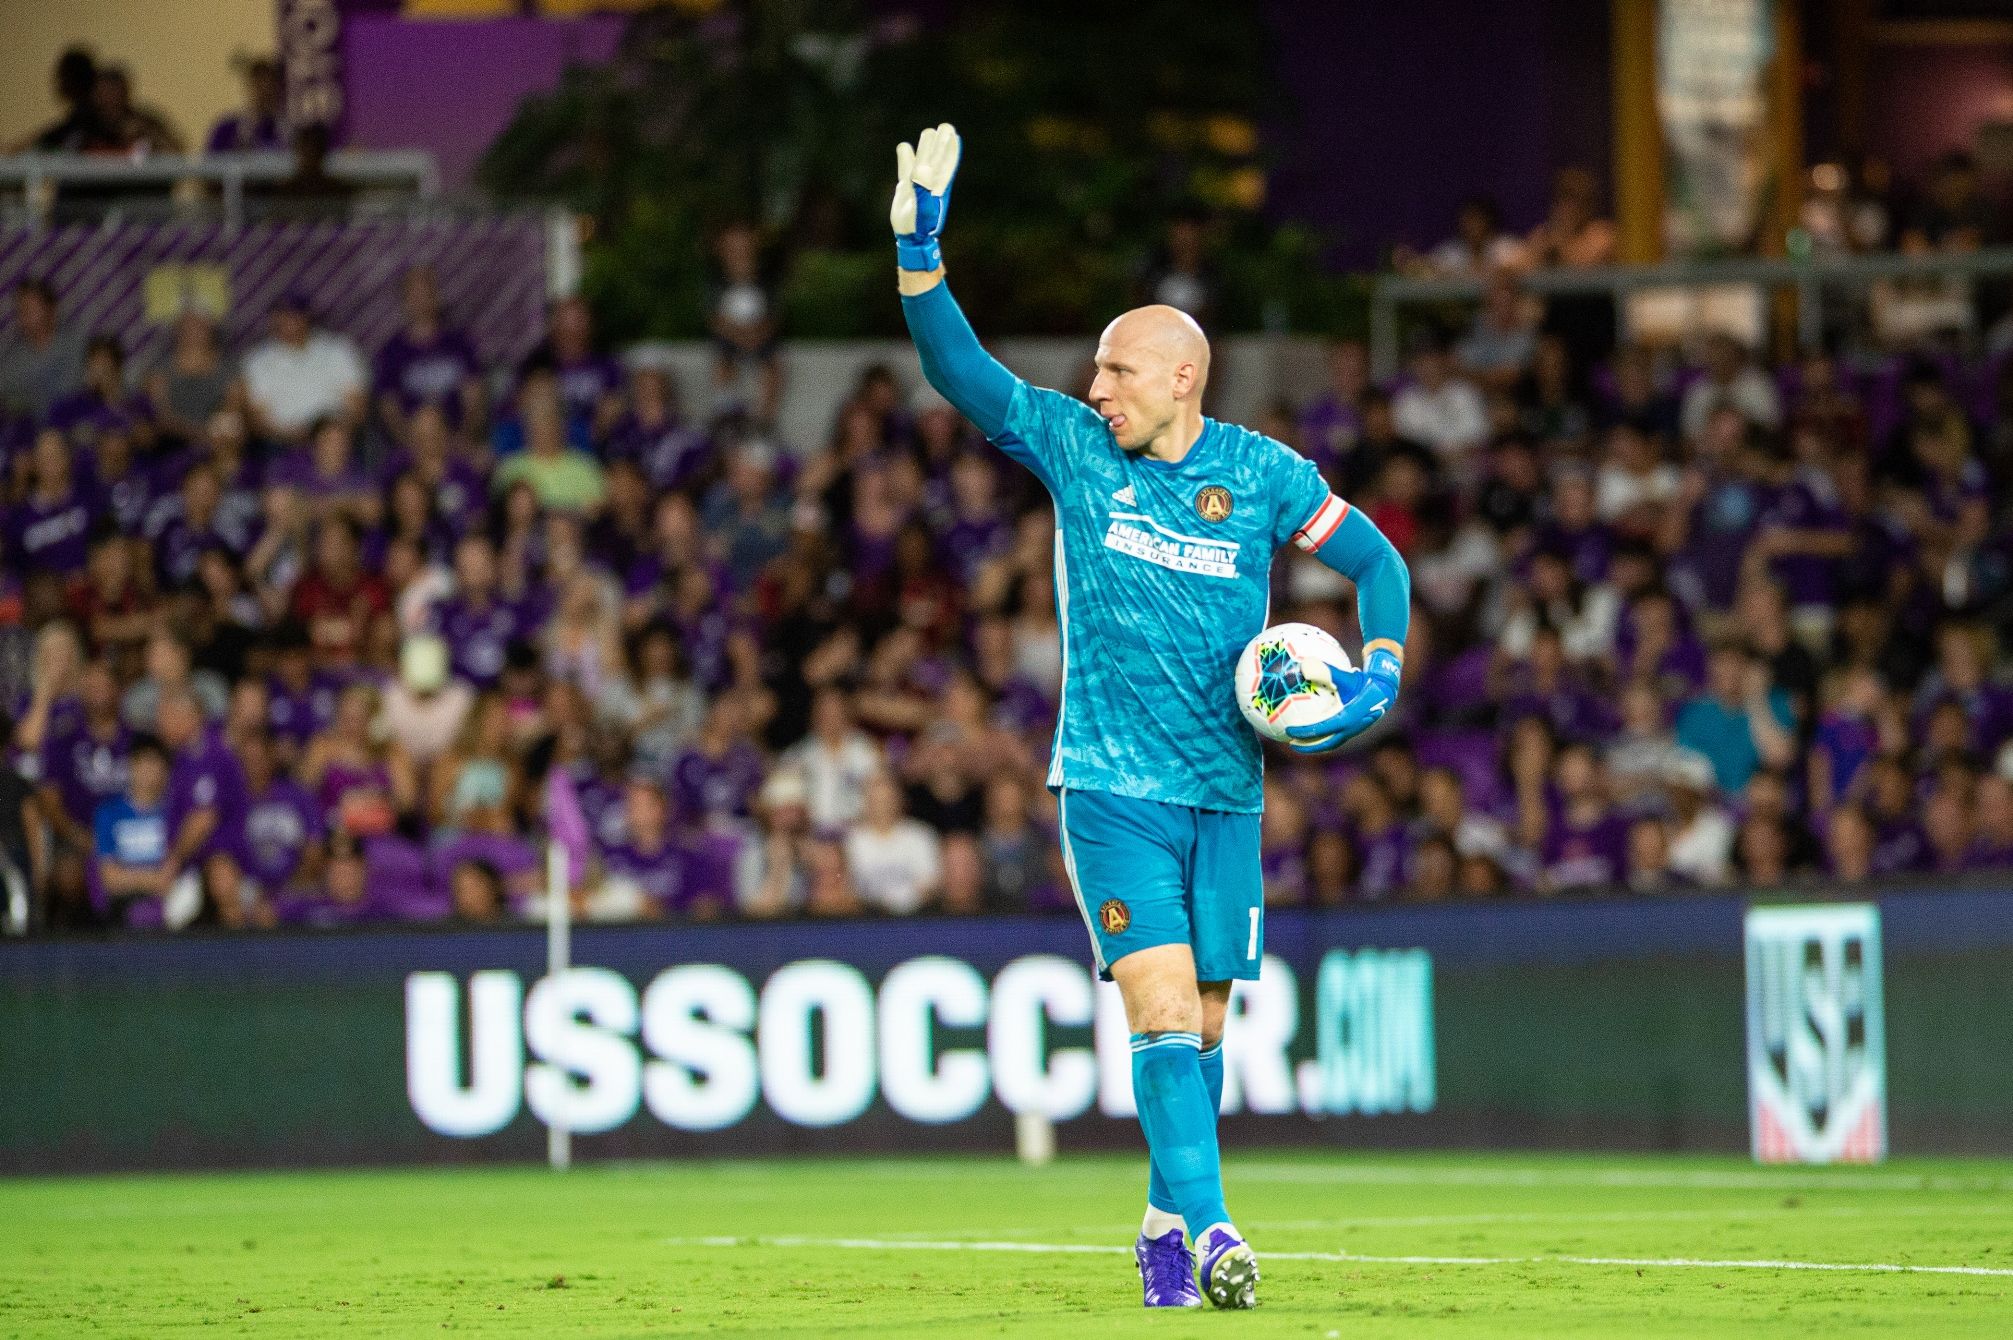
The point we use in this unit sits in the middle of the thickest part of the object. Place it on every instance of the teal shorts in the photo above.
(1148, 874)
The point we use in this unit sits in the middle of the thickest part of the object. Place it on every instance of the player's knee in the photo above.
(1163, 1007)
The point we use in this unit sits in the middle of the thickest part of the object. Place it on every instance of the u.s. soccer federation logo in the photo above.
(1213, 503)
(1816, 1040)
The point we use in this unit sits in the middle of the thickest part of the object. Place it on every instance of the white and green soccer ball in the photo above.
(1283, 678)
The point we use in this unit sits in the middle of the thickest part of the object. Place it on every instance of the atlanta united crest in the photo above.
(1213, 503)
(1115, 916)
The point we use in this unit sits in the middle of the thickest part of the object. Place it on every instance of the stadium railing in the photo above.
(1810, 285)
(39, 177)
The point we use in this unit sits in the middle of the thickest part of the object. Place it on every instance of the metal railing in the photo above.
(1807, 280)
(38, 176)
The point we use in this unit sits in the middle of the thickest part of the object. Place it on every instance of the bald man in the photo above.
(1166, 525)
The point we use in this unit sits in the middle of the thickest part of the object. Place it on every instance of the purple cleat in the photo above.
(1229, 1268)
(1167, 1269)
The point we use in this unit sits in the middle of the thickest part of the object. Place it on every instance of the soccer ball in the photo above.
(1283, 679)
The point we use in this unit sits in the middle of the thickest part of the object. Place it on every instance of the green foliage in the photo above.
(1085, 126)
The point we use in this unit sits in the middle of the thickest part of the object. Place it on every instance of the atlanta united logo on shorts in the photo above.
(1213, 503)
(1115, 916)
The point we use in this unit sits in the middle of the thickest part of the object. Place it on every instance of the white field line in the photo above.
(1729, 1180)
(1568, 1217)
(1395, 1174)
(1631, 1216)
(1347, 1258)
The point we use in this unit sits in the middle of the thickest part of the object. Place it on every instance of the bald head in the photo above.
(1152, 367)
(1167, 331)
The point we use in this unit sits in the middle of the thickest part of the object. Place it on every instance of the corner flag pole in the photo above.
(558, 957)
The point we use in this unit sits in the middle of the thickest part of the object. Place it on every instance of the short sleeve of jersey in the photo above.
(1298, 493)
(104, 824)
(1041, 425)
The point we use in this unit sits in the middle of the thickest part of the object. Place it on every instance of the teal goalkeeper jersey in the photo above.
(1162, 574)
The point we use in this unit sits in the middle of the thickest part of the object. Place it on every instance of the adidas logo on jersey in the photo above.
(1125, 495)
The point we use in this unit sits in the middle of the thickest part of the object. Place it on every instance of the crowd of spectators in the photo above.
(101, 114)
(310, 634)
(307, 633)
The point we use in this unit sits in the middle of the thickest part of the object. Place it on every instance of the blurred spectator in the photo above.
(206, 783)
(1640, 758)
(1016, 854)
(588, 383)
(424, 709)
(1992, 824)
(169, 669)
(1435, 871)
(561, 478)
(301, 375)
(1440, 408)
(1180, 274)
(1739, 723)
(132, 868)
(837, 761)
(1379, 833)
(748, 512)
(128, 127)
(1331, 422)
(337, 597)
(1731, 381)
(649, 873)
(24, 844)
(42, 360)
(1649, 869)
(1635, 483)
(1574, 235)
(1500, 345)
(310, 187)
(196, 382)
(1478, 247)
(1954, 214)
(743, 320)
(50, 529)
(426, 363)
(279, 841)
(773, 876)
(1586, 845)
(1702, 834)
(261, 125)
(1899, 846)
(78, 129)
(1849, 845)
(894, 863)
(654, 704)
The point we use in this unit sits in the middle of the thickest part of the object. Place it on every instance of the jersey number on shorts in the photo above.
(1252, 951)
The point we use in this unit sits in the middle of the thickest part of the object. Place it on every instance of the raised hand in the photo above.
(923, 196)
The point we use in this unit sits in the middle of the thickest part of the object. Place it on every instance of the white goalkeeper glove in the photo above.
(923, 196)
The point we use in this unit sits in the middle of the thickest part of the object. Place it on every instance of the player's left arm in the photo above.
(1350, 543)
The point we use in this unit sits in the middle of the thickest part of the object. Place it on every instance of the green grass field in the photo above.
(1360, 1245)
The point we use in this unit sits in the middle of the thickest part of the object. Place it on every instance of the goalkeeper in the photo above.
(1166, 526)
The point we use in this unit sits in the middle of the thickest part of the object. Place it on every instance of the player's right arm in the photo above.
(954, 362)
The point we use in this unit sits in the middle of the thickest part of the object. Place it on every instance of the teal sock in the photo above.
(1180, 1125)
(1157, 1195)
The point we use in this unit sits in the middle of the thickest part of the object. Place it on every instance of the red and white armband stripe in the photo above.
(1317, 529)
